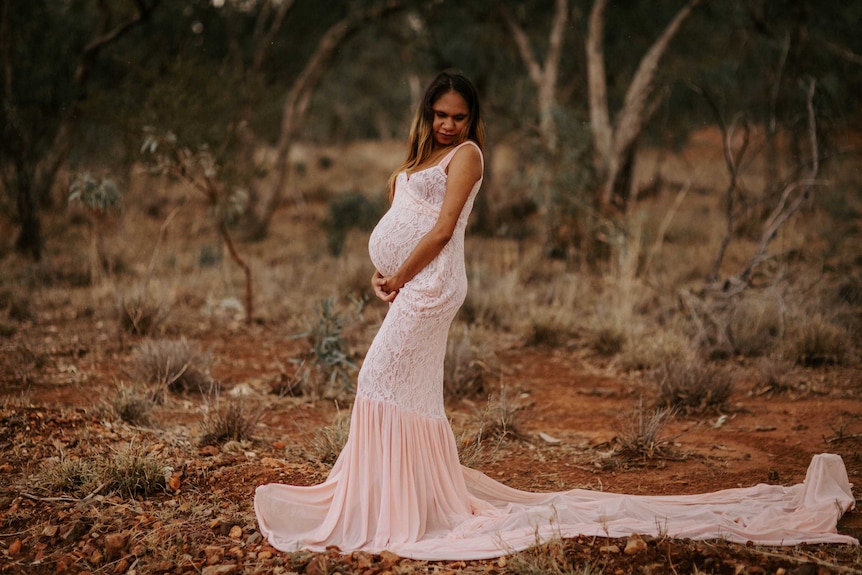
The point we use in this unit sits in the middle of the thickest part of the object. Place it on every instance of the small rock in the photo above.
(139, 550)
(319, 565)
(122, 566)
(264, 555)
(97, 557)
(209, 451)
(164, 566)
(215, 523)
(219, 570)
(279, 445)
(389, 559)
(235, 532)
(609, 549)
(72, 532)
(635, 545)
(213, 554)
(175, 481)
(50, 531)
(254, 538)
(115, 543)
(15, 547)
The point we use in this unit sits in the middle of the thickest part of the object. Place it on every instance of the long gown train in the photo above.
(398, 484)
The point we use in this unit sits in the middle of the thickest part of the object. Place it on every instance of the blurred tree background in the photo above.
(83, 79)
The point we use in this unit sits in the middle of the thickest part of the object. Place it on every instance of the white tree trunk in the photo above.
(613, 145)
(545, 75)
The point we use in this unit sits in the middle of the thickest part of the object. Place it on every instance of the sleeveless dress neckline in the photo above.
(398, 484)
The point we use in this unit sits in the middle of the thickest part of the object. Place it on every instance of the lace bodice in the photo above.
(404, 365)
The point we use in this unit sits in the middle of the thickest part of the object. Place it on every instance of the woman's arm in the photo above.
(465, 169)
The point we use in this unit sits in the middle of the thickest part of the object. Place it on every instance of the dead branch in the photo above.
(783, 212)
(162, 231)
(665, 224)
(732, 160)
(843, 52)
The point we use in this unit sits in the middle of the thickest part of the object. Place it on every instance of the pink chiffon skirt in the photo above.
(398, 486)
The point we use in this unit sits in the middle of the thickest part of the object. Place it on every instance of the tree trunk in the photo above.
(34, 177)
(296, 105)
(600, 123)
(29, 239)
(545, 75)
(614, 145)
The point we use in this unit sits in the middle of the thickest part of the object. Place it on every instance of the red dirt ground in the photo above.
(57, 376)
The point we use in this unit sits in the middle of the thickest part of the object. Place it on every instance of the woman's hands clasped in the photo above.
(383, 288)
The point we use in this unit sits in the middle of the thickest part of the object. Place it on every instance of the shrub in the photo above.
(351, 210)
(329, 373)
(171, 365)
(755, 326)
(468, 363)
(691, 386)
(813, 341)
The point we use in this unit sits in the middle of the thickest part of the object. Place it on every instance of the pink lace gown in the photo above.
(398, 484)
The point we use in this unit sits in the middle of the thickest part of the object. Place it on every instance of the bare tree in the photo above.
(295, 109)
(615, 144)
(543, 75)
(31, 177)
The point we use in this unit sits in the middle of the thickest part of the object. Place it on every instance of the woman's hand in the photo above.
(382, 287)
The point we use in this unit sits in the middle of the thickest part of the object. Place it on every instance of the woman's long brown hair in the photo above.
(421, 139)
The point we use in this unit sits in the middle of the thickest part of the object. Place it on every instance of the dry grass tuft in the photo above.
(641, 434)
(75, 476)
(548, 558)
(651, 349)
(133, 472)
(774, 375)
(231, 422)
(691, 386)
(132, 405)
(171, 366)
(142, 313)
(502, 417)
(130, 470)
(327, 442)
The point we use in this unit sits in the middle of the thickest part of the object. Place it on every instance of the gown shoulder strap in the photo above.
(444, 163)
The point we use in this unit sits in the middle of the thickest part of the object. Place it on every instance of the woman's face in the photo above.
(451, 116)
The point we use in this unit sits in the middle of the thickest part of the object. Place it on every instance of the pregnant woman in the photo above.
(398, 484)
